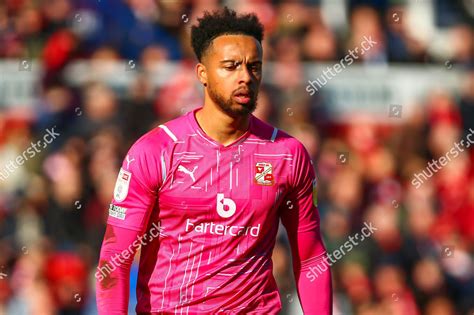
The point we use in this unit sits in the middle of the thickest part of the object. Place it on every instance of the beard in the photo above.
(232, 108)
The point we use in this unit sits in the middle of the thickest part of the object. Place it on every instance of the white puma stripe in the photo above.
(168, 132)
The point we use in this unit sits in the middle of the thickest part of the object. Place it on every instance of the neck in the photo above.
(220, 126)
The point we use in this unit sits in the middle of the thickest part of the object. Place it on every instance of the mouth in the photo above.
(242, 97)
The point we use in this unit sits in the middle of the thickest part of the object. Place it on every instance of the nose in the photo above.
(245, 76)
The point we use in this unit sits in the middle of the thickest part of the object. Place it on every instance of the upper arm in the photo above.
(300, 215)
(135, 190)
(134, 198)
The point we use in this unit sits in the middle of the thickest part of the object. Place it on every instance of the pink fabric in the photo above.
(207, 217)
(112, 284)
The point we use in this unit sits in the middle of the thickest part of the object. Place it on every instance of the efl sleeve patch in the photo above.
(122, 185)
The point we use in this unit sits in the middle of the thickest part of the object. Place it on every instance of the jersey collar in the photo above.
(205, 138)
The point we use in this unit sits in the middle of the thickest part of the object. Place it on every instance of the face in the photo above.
(232, 69)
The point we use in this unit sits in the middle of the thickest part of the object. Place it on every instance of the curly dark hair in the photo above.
(224, 22)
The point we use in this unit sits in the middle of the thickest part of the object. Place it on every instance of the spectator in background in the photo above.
(100, 110)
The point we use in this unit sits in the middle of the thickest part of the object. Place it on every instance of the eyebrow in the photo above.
(233, 60)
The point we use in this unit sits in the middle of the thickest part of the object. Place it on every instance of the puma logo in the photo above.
(183, 169)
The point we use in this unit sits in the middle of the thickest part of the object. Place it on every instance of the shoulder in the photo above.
(277, 137)
(162, 136)
(147, 157)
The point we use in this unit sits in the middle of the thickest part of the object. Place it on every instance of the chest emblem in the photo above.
(264, 174)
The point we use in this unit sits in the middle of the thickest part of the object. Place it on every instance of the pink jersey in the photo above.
(210, 213)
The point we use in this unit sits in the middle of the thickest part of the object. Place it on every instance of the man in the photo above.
(203, 194)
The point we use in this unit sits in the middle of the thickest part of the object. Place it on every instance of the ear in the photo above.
(201, 73)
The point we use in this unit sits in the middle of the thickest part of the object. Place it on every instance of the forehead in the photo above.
(235, 47)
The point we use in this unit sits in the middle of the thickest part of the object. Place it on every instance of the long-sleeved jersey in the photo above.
(206, 217)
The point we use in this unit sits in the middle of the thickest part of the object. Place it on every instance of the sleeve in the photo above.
(136, 188)
(134, 197)
(299, 215)
(113, 273)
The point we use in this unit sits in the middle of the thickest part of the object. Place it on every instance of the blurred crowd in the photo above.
(53, 208)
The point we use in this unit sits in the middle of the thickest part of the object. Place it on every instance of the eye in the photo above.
(229, 66)
(256, 67)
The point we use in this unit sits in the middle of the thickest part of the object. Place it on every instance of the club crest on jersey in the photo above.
(122, 184)
(264, 174)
